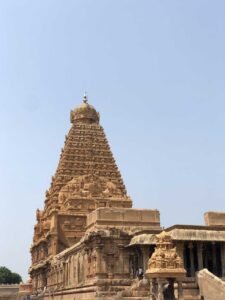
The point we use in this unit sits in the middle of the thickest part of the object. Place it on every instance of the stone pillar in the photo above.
(180, 249)
(160, 289)
(200, 259)
(206, 252)
(222, 253)
(140, 259)
(145, 255)
(190, 246)
(180, 290)
(185, 256)
(214, 258)
(153, 289)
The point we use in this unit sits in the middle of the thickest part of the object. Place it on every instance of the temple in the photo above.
(89, 243)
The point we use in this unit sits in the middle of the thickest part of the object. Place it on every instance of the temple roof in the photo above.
(197, 235)
(183, 233)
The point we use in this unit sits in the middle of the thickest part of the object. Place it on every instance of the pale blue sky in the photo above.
(155, 70)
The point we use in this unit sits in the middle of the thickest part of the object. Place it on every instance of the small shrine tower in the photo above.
(164, 268)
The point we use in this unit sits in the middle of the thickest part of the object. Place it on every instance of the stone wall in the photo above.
(211, 287)
(98, 265)
(9, 291)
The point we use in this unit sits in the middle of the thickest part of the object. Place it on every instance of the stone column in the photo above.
(153, 288)
(206, 264)
(222, 253)
(185, 256)
(180, 290)
(190, 246)
(145, 255)
(200, 259)
(180, 249)
(160, 289)
(214, 258)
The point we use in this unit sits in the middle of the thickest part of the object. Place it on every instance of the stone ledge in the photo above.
(121, 217)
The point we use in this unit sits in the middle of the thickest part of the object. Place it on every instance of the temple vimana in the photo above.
(89, 243)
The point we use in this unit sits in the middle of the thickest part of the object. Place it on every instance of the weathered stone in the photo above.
(211, 287)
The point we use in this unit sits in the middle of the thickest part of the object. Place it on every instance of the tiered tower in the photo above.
(86, 178)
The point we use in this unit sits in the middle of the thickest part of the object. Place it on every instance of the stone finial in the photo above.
(85, 113)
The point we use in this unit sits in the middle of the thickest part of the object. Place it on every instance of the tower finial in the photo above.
(85, 97)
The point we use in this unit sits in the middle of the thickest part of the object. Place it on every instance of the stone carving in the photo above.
(89, 186)
(165, 258)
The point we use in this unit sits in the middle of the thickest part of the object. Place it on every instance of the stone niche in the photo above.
(127, 218)
(214, 218)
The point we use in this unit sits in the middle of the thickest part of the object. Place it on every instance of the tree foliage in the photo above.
(8, 277)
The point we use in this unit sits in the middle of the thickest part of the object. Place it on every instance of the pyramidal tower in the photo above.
(86, 178)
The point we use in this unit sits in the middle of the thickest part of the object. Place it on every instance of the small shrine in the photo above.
(165, 267)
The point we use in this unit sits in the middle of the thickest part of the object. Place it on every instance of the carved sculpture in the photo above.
(89, 186)
(165, 258)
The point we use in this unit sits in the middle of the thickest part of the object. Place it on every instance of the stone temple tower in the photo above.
(86, 178)
(81, 240)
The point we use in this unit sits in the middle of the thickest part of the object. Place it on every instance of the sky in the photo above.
(155, 70)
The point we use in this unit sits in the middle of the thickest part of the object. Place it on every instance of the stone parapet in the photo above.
(8, 291)
(127, 218)
(214, 218)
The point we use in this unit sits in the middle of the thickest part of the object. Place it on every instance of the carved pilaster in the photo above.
(98, 259)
